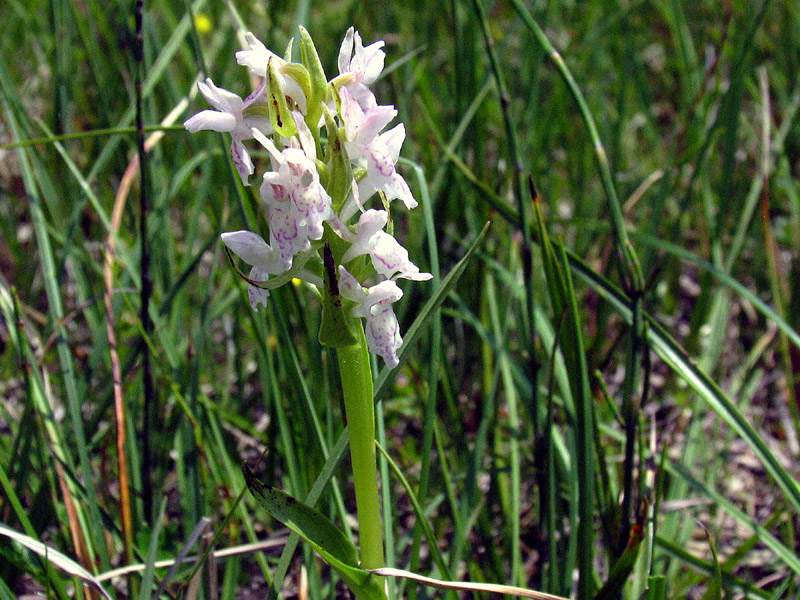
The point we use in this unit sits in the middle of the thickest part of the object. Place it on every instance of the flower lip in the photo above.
(297, 203)
(373, 151)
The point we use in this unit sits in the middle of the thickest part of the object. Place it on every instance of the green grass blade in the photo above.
(433, 545)
(55, 307)
(54, 557)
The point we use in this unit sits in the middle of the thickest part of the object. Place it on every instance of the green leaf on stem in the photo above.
(279, 114)
(340, 178)
(316, 529)
(623, 567)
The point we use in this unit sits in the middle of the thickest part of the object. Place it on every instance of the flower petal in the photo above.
(257, 57)
(382, 329)
(352, 290)
(383, 336)
(372, 61)
(248, 246)
(369, 224)
(393, 139)
(396, 188)
(304, 135)
(220, 98)
(351, 114)
(257, 295)
(346, 51)
(384, 293)
(413, 275)
(212, 120)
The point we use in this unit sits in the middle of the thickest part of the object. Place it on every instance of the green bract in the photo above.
(340, 176)
(318, 82)
(279, 113)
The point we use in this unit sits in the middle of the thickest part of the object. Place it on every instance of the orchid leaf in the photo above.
(316, 529)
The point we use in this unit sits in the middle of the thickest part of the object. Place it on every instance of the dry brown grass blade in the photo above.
(73, 520)
(778, 272)
(108, 279)
(116, 375)
(78, 540)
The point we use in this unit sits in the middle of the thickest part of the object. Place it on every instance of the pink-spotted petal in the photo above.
(257, 295)
(241, 160)
(383, 293)
(352, 290)
(383, 336)
(393, 140)
(396, 188)
(369, 224)
(285, 233)
(389, 257)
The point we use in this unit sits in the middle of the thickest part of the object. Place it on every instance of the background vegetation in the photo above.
(556, 375)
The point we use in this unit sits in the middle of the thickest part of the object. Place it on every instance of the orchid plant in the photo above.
(329, 156)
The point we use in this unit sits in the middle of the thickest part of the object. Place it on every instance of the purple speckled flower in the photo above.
(388, 257)
(297, 203)
(253, 250)
(359, 67)
(376, 152)
(375, 304)
(229, 118)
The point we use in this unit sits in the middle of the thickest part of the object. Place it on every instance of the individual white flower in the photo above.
(230, 118)
(376, 152)
(360, 126)
(388, 257)
(360, 66)
(375, 304)
(253, 250)
(257, 58)
(297, 203)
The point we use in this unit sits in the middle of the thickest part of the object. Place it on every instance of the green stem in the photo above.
(79, 135)
(357, 389)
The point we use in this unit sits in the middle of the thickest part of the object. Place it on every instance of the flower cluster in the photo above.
(318, 184)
